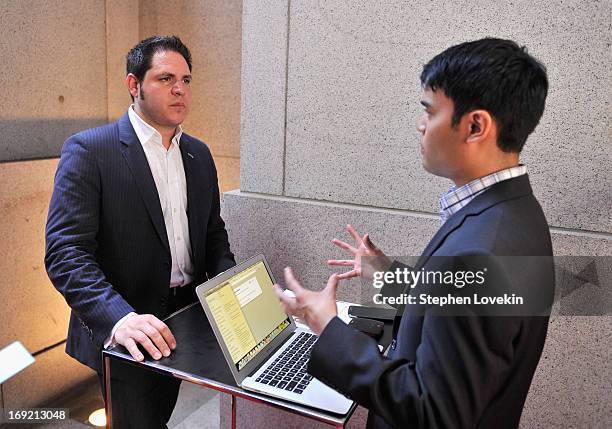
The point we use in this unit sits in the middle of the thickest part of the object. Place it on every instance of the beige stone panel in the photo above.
(228, 173)
(31, 310)
(53, 374)
(122, 33)
(353, 100)
(147, 18)
(54, 78)
(52, 49)
(571, 386)
(265, 26)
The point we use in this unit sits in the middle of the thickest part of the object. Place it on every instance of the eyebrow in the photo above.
(173, 75)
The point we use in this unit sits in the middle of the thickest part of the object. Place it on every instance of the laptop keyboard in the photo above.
(288, 370)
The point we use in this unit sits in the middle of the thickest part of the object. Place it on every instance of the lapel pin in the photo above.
(192, 157)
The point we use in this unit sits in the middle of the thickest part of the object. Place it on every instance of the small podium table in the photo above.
(198, 359)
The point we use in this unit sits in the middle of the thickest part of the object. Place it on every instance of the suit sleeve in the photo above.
(219, 257)
(71, 243)
(456, 372)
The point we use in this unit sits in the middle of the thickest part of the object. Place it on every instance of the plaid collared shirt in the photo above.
(457, 198)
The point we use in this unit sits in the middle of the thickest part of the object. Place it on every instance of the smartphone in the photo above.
(373, 328)
(377, 313)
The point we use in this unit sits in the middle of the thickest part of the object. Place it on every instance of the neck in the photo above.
(507, 161)
(166, 132)
(167, 138)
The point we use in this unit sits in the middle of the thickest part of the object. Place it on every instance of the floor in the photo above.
(196, 408)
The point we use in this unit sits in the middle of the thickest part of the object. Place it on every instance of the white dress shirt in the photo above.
(169, 175)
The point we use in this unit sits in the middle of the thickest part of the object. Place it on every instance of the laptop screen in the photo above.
(247, 312)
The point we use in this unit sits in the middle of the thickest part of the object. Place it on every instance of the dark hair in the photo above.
(498, 76)
(139, 57)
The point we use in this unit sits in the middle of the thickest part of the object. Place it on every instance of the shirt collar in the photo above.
(457, 198)
(146, 132)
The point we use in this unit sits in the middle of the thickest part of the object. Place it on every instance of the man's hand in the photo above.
(375, 259)
(314, 308)
(148, 331)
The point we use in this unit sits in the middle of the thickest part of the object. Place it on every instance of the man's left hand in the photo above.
(316, 309)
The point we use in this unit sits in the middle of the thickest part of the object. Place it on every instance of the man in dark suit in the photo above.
(457, 366)
(134, 225)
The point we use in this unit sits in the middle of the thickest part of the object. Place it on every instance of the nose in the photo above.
(178, 88)
(420, 125)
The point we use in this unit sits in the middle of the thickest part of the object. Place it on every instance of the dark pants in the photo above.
(142, 398)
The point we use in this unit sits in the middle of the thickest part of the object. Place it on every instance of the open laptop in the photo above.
(264, 348)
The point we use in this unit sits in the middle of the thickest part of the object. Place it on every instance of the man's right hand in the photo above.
(367, 258)
(148, 331)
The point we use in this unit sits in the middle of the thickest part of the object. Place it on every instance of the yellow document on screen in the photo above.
(234, 329)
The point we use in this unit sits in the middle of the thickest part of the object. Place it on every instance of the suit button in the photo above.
(167, 264)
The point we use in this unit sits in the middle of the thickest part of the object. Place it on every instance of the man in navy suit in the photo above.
(472, 368)
(134, 225)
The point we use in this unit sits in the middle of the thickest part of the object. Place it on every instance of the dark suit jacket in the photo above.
(107, 249)
(464, 372)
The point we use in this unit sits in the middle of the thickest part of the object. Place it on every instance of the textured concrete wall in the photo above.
(122, 32)
(262, 124)
(32, 311)
(52, 86)
(330, 99)
(352, 100)
(65, 70)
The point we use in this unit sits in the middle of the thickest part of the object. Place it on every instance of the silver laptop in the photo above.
(264, 348)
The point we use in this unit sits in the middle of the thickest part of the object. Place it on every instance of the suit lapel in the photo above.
(449, 226)
(197, 185)
(137, 161)
(502, 191)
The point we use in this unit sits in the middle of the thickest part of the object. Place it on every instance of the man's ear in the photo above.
(132, 83)
(481, 126)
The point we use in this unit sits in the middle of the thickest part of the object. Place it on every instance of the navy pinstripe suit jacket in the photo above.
(107, 249)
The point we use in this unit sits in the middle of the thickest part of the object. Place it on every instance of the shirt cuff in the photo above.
(110, 340)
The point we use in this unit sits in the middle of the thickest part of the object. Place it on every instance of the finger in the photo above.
(368, 243)
(292, 283)
(165, 332)
(341, 262)
(282, 296)
(147, 344)
(345, 246)
(287, 301)
(156, 337)
(348, 275)
(130, 345)
(332, 286)
(354, 233)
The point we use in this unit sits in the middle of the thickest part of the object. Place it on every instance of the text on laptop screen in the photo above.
(247, 312)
